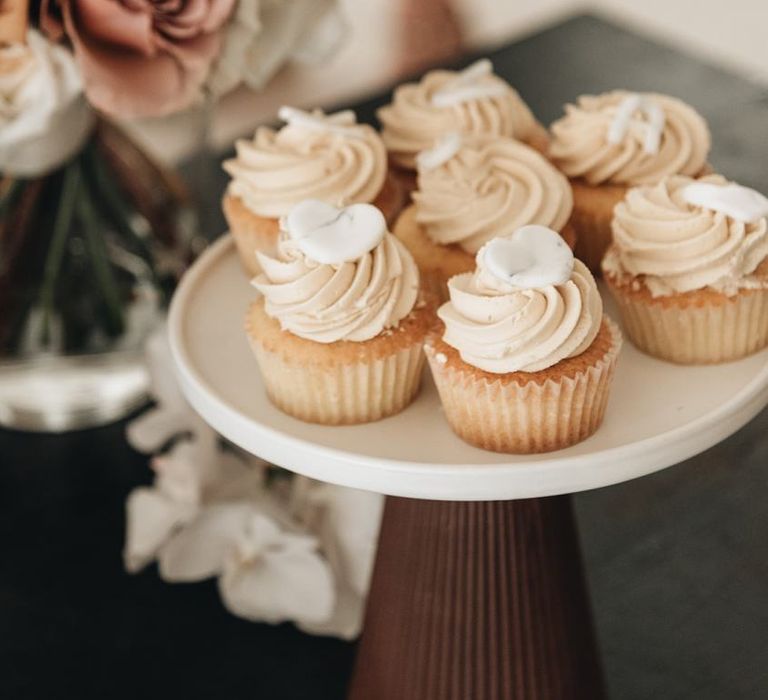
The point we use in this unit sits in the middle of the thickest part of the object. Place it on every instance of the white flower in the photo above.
(346, 522)
(264, 34)
(172, 415)
(44, 118)
(193, 475)
(267, 573)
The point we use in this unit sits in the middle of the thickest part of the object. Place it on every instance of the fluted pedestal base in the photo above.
(478, 601)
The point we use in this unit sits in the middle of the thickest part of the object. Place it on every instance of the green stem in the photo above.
(105, 278)
(102, 183)
(15, 188)
(61, 227)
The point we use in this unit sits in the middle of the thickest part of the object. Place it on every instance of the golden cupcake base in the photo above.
(526, 412)
(345, 382)
(699, 327)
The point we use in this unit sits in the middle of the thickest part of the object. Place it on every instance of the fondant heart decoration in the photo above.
(445, 148)
(338, 123)
(331, 236)
(740, 203)
(531, 258)
(653, 127)
(469, 85)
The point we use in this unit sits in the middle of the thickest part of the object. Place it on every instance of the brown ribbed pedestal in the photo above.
(478, 601)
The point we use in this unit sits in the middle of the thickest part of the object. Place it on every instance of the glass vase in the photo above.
(89, 254)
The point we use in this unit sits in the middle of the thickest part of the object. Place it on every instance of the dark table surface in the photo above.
(677, 562)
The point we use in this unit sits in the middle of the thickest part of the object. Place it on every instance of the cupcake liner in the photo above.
(340, 383)
(523, 415)
(591, 217)
(346, 394)
(697, 328)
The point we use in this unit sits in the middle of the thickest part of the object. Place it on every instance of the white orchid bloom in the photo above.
(172, 415)
(346, 522)
(267, 573)
(190, 476)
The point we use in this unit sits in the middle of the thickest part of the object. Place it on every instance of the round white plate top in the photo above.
(659, 413)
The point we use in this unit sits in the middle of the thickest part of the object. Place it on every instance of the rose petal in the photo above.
(110, 23)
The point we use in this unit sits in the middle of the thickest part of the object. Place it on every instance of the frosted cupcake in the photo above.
(327, 157)
(689, 269)
(608, 143)
(526, 359)
(472, 189)
(338, 333)
(472, 101)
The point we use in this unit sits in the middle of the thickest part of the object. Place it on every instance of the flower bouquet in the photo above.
(93, 232)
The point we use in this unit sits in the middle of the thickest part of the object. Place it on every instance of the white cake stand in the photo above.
(480, 595)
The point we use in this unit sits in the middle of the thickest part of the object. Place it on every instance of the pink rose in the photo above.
(140, 57)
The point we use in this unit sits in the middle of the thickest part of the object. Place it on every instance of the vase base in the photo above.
(58, 394)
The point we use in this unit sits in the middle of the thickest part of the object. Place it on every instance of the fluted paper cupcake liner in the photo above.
(346, 394)
(527, 416)
(704, 329)
(340, 383)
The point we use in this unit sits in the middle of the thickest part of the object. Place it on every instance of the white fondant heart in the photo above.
(444, 149)
(467, 86)
(741, 203)
(653, 129)
(331, 236)
(531, 258)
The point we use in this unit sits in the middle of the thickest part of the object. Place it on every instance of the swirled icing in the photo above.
(499, 327)
(489, 187)
(677, 246)
(624, 138)
(413, 121)
(353, 300)
(318, 156)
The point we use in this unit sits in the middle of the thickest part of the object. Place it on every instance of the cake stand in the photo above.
(477, 590)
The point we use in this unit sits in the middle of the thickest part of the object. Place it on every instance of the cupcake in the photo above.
(314, 156)
(472, 101)
(689, 269)
(608, 143)
(472, 189)
(526, 358)
(338, 332)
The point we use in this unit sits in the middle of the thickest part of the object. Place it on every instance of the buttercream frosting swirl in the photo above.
(44, 117)
(412, 121)
(488, 188)
(341, 164)
(583, 143)
(500, 328)
(349, 301)
(677, 246)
